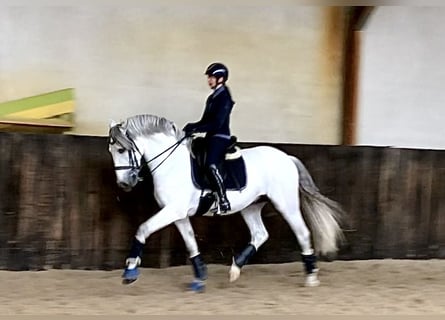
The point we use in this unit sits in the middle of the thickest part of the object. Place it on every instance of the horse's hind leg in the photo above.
(199, 268)
(290, 210)
(258, 233)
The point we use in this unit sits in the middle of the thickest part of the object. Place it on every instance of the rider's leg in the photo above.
(215, 154)
(218, 185)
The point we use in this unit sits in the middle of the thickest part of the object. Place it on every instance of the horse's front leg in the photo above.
(199, 268)
(163, 218)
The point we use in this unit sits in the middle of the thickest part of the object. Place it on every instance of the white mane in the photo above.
(142, 125)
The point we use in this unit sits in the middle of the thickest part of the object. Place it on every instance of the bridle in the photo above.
(132, 159)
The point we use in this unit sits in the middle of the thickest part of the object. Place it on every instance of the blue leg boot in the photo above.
(131, 272)
(200, 272)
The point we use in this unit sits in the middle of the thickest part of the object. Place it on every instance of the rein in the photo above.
(174, 146)
(133, 161)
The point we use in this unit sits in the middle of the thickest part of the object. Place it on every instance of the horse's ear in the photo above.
(112, 123)
(175, 128)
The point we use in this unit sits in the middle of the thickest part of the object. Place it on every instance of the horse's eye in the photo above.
(121, 150)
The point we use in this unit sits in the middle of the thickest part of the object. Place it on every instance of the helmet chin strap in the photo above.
(219, 82)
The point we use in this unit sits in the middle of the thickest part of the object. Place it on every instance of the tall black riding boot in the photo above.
(219, 187)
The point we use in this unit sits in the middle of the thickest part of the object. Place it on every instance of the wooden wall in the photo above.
(60, 207)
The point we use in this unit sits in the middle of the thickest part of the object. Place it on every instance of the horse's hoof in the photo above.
(234, 273)
(128, 281)
(130, 275)
(197, 286)
(312, 280)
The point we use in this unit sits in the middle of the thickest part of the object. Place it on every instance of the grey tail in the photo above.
(323, 214)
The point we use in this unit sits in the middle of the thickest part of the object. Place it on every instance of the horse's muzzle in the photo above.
(124, 186)
(130, 183)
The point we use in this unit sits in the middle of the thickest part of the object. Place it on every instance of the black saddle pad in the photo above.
(233, 173)
(233, 170)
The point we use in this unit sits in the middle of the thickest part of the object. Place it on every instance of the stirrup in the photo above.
(224, 206)
(217, 210)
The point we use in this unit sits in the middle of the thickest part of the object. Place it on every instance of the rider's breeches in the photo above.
(216, 149)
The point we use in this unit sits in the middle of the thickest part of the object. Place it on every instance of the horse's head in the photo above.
(126, 156)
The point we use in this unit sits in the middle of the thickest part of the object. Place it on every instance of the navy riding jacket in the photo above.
(216, 117)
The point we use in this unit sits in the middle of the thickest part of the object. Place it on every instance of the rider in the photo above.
(215, 122)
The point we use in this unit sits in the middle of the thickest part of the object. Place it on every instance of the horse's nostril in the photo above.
(123, 185)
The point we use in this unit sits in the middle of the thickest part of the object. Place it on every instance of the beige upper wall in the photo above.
(401, 96)
(285, 62)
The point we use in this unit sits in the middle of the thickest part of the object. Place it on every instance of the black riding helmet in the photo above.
(217, 70)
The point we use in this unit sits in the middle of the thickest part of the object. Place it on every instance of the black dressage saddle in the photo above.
(232, 170)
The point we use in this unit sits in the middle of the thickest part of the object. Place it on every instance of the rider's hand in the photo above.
(189, 130)
(188, 133)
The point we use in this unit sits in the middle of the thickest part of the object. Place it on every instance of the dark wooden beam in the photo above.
(360, 17)
(356, 19)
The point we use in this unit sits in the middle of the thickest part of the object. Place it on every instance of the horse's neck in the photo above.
(159, 158)
(170, 170)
